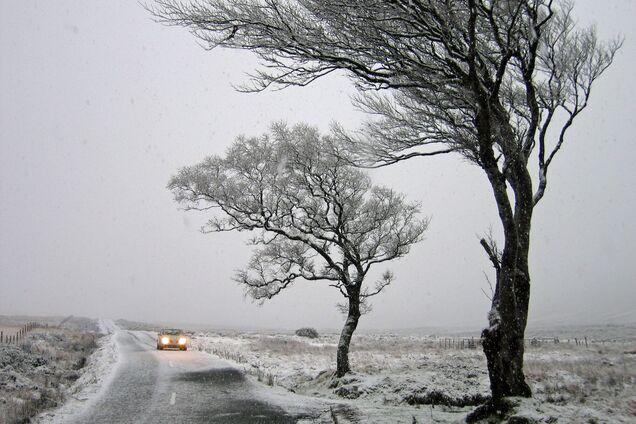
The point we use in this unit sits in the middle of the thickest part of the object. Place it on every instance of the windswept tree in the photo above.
(316, 217)
(497, 81)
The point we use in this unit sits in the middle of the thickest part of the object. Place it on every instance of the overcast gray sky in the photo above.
(99, 106)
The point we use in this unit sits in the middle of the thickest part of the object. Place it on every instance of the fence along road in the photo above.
(17, 336)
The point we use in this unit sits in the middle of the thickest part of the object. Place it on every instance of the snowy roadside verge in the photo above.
(407, 379)
(389, 371)
(96, 375)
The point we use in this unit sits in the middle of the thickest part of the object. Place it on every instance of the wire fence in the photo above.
(475, 342)
(20, 334)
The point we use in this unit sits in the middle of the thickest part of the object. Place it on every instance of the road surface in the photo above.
(150, 386)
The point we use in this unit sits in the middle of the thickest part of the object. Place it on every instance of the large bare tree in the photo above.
(318, 218)
(498, 81)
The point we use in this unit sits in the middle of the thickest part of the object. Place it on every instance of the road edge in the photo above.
(96, 377)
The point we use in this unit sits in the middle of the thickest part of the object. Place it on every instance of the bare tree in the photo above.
(318, 218)
(496, 81)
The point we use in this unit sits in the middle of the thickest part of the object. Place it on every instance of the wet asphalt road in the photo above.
(150, 386)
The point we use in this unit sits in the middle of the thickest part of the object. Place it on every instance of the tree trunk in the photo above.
(347, 332)
(503, 341)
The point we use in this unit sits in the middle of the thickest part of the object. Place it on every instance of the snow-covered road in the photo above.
(150, 386)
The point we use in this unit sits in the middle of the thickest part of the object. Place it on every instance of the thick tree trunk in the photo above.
(503, 340)
(347, 332)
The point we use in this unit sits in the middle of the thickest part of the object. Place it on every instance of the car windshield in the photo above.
(171, 332)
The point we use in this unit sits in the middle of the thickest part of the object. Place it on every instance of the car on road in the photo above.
(172, 338)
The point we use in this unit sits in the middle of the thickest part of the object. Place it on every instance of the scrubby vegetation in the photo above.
(35, 374)
(437, 381)
(307, 332)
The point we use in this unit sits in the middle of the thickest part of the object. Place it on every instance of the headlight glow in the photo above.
(165, 340)
(182, 341)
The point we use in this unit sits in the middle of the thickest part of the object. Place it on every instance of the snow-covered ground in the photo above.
(95, 375)
(50, 366)
(417, 379)
(399, 378)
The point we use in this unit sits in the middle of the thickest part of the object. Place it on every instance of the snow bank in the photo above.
(96, 376)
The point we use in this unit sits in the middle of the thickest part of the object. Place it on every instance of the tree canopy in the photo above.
(321, 219)
(316, 217)
(523, 60)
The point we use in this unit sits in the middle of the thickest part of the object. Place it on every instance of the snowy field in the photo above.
(46, 369)
(398, 378)
(401, 378)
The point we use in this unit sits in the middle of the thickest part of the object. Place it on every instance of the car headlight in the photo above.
(165, 340)
(182, 340)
